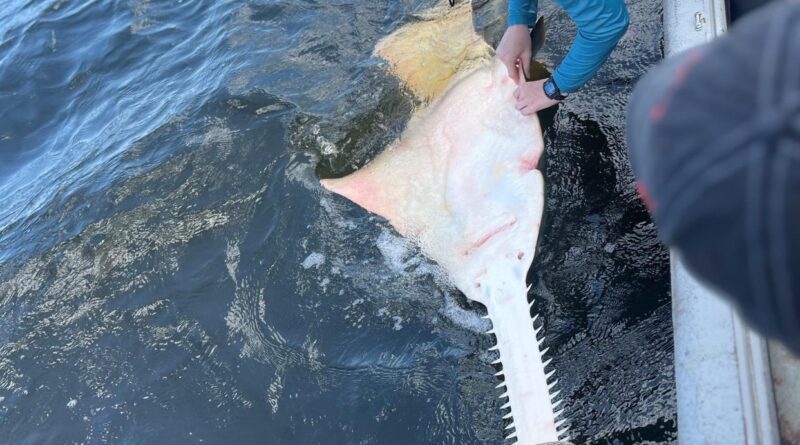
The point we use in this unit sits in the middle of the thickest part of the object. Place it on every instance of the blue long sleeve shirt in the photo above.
(601, 23)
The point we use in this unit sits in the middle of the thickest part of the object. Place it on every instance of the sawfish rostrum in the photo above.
(462, 181)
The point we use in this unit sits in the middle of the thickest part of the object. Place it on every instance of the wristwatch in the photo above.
(552, 91)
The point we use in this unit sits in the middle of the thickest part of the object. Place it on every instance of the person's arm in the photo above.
(601, 23)
(522, 12)
(515, 46)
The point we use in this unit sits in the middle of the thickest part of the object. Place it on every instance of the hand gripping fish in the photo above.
(462, 181)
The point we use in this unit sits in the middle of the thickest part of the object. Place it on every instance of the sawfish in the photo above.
(462, 182)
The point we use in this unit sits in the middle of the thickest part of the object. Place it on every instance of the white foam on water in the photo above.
(274, 392)
(398, 252)
(232, 254)
(314, 259)
(313, 353)
(394, 250)
(464, 318)
(326, 147)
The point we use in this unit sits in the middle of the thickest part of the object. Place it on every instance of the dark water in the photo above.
(171, 272)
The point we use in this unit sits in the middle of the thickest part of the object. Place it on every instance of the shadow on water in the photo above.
(174, 273)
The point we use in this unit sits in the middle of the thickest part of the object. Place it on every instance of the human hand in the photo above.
(514, 51)
(531, 98)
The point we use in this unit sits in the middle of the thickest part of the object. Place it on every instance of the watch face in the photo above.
(549, 88)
